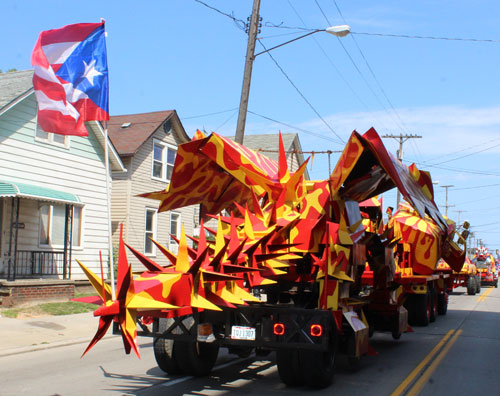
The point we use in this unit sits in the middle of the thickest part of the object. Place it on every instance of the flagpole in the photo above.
(110, 236)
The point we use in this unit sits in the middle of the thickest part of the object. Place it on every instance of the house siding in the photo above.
(131, 209)
(79, 170)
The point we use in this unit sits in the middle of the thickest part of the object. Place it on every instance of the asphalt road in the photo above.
(456, 355)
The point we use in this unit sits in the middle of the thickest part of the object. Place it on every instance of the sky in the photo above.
(189, 56)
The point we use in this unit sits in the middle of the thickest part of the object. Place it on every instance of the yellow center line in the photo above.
(483, 296)
(401, 388)
(427, 373)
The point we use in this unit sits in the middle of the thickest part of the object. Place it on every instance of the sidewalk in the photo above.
(25, 335)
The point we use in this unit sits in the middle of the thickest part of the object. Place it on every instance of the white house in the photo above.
(53, 196)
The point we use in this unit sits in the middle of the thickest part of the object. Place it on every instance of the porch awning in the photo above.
(22, 190)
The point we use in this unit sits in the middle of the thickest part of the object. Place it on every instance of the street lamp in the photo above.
(339, 31)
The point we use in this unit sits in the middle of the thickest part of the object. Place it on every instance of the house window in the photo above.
(52, 225)
(175, 230)
(150, 231)
(163, 160)
(51, 138)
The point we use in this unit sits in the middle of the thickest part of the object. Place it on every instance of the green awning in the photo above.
(22, 190)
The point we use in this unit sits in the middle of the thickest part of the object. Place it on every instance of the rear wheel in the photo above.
(163, 350)
(471, 287)
(478, 284)
(422, 309)
(319, 367)
(195, 358)
(442, 303)
(289, 370)
(432, 302)
(409, 304)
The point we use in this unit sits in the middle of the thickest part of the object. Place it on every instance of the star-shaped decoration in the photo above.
(90, 72)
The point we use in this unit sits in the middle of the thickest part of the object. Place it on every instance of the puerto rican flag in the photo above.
(71, 78)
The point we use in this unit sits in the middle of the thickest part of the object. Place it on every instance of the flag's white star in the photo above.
(90, 72)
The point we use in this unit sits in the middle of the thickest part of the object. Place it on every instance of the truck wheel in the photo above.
(319, 367)
(289, 368)
(163, 350)
(471, 287)
(442, 303)
(422, 309)
(478, 284)
(195, 358)
(432, 302)
(409, 304)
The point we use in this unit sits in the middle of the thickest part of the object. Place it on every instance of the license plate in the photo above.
(242, 333)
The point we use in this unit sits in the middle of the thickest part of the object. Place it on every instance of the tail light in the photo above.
(316, 330)
(279, 329)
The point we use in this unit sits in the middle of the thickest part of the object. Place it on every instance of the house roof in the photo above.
(14, 85)
(268, 144)
(129, 139)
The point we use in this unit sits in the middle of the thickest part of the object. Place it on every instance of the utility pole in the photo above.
(402, 138)
(247, 75)
(459, 213)
(446, 206)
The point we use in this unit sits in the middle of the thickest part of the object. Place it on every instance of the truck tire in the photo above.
(422, 309)
(409, 304)
(442, 303)
(319, 367)
(432, 301)
(163, 350)
(471, 287)
(478, 284)
(195, 358)
(289, 368)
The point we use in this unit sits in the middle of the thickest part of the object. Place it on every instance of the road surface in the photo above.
(456, 355)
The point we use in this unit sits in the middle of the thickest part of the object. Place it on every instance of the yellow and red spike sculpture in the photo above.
(281, 228)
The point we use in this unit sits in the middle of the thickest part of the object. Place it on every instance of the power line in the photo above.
(335, 67)
(238, 22)
(474, 40)
(428, 37)
(295, 127)
(474, 172)
(462, 150)
(227, 120)
(208, 114)
(356, 66)
(475, 187)
(467, 155)
(300, 93)
(370, 69)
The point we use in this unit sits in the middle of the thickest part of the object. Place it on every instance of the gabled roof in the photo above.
(129, 139)
(18, 85)
(268, 144)
(14, 85)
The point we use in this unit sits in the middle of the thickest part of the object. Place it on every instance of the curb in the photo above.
(41, 347)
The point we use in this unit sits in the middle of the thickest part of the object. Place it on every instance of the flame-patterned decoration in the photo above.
(275, 220)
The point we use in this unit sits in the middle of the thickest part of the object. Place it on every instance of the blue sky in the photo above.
(179, 54)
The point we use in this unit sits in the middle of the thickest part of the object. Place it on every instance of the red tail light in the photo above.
(279, 329)
(316, 330)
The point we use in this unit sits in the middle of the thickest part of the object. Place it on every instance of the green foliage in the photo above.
(10, 313)
(67, 308)
(55, 308)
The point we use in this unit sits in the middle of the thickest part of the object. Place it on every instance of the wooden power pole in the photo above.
(247, 75)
